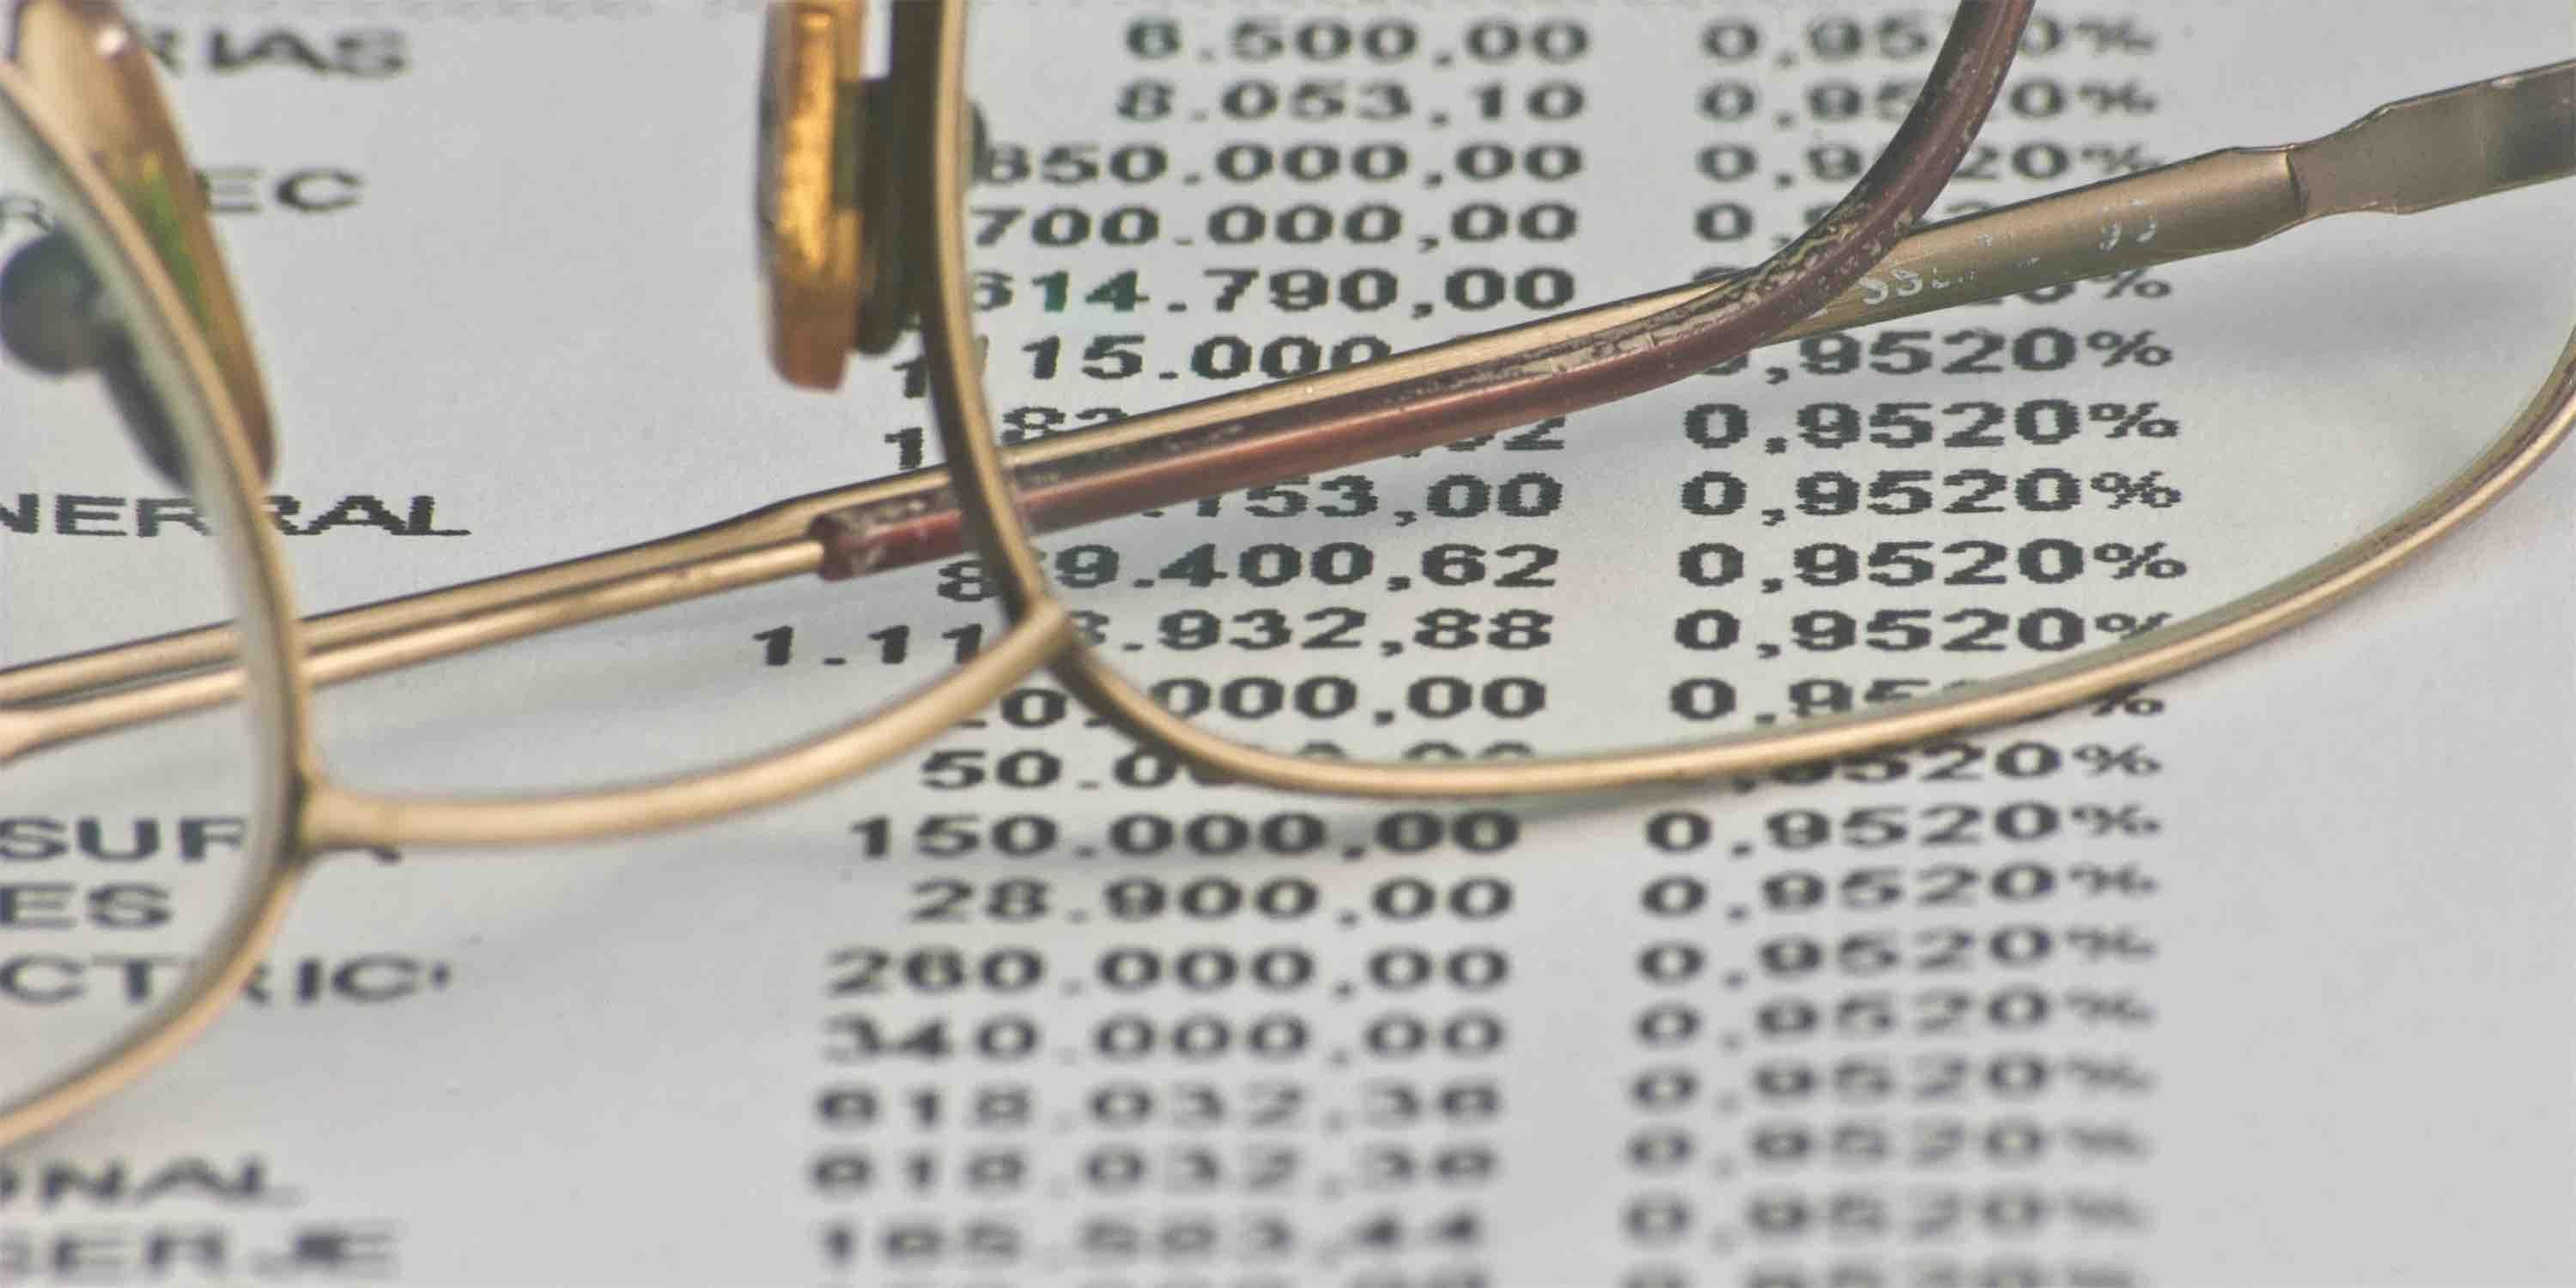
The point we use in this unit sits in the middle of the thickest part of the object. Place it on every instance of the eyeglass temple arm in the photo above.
(2407, 156)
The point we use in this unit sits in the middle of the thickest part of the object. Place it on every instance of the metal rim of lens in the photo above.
(221, 459)
(2544, 420)
(326, 816)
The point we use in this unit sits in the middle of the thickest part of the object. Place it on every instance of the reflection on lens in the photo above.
(124, 859)
(1820, 528)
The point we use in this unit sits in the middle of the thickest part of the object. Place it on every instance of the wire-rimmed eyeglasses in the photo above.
(153, 318)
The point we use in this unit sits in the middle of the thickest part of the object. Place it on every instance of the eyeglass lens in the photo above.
(1813, 530)
(123, 861)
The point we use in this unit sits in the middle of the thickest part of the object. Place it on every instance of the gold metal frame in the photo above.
(307, 815)
(2218, 202)
(2489, 137)
(2252, 192)
(78, 52)
(90, 127)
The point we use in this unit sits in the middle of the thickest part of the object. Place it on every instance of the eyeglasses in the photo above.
(118, 277)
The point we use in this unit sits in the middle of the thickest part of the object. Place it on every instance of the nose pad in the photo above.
(54, 319)
(807, 194)
(96, 74)
(49, 307)
(841, 250)
(894, 277)
(889, 284)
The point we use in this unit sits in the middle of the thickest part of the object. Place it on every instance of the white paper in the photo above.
(2307, 1026)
